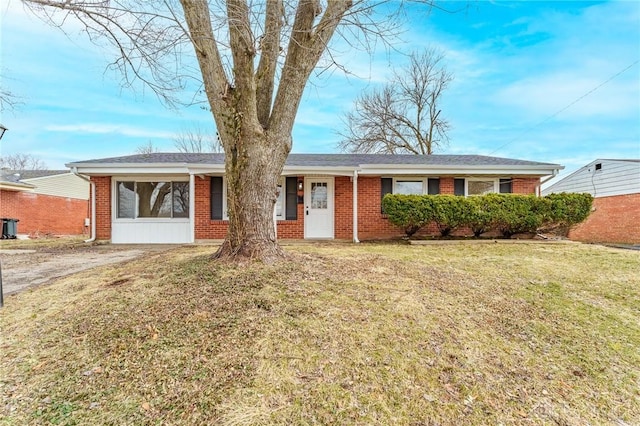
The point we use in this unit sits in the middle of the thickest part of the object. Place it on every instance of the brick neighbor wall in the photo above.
(44, 214)
(614, 220)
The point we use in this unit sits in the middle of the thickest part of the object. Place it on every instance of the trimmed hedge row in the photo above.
(507, 213)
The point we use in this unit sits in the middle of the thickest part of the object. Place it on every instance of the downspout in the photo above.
(555, 173)
(355, 207)
(192, 207)
(92, 195)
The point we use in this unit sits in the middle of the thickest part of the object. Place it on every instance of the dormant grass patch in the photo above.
(339, 334)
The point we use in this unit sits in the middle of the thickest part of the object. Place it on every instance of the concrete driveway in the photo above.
(22, 269)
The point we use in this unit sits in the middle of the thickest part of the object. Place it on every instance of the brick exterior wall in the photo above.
(372, 224)
(208, 229)
(103, 207)
(614, 220)
(44, 214)
(524, 185)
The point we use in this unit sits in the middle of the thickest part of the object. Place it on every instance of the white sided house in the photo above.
(615, 186)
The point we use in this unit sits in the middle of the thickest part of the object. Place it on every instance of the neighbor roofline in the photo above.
(16, 186)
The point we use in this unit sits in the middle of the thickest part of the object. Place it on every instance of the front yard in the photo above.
(363, 334)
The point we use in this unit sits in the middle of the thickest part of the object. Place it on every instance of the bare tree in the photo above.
(404, 116)
(254, 60)
(196, 139)
(147, 148)
(8, 100)
(22, 162)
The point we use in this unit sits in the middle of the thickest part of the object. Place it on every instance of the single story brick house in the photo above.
(180, 197)
(615, 186)
(45, 201)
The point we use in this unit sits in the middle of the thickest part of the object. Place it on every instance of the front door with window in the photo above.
(318, 208)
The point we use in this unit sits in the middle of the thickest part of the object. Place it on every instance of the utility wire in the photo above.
(566, 107)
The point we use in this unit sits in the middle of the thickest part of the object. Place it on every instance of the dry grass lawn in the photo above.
(388, 334)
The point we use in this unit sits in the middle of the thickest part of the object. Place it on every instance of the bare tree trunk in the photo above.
(252, 177)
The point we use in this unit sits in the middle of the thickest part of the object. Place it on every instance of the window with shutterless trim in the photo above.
(286, 201)
(409, 185)
(145, 199)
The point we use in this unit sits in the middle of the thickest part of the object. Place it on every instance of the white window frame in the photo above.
(282, 183)
(422, 180)
(496, 185)
(114, 198)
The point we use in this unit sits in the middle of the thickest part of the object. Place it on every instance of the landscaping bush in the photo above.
(515, 214)
(481, 216)
(565, 210)
(450, 212)
(410, 212)
(509, 214)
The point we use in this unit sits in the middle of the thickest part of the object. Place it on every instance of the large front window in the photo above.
(409, 187)
(481, 186)
(152, 200)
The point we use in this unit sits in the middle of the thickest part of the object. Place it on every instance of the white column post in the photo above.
(192, 206)
(355, 207)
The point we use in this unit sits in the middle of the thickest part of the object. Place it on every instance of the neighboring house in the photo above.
(180, 198)
(615, 186)
(45, 201)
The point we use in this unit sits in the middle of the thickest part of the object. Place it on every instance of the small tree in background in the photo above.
(196, 139)
(22, 162)
(148, 148)
(404, 116)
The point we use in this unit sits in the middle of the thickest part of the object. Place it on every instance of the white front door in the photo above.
(318, 208)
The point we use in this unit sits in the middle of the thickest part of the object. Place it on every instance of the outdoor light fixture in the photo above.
(2, 130)
(300, 185)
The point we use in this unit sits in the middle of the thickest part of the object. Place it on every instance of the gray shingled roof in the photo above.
(320, 160)
(32, 174)
(13, 178)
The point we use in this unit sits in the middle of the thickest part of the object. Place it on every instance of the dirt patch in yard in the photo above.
(24, 268)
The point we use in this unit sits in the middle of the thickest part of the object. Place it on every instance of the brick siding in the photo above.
(372, 224)
(613, 220)
(208, 229)
(103, 207)
(44, 214)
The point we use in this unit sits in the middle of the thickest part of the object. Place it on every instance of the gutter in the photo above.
(92, 236)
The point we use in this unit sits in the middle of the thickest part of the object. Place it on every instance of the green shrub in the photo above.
(410, 212)
(515, 214)
(450, 212)
(565, 210)
(507, 213)
(481, 216)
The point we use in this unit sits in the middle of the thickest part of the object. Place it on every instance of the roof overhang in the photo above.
(462, 170)
(129, 169)
(15, 186)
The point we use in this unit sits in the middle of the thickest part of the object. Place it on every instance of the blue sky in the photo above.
(545, 81)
